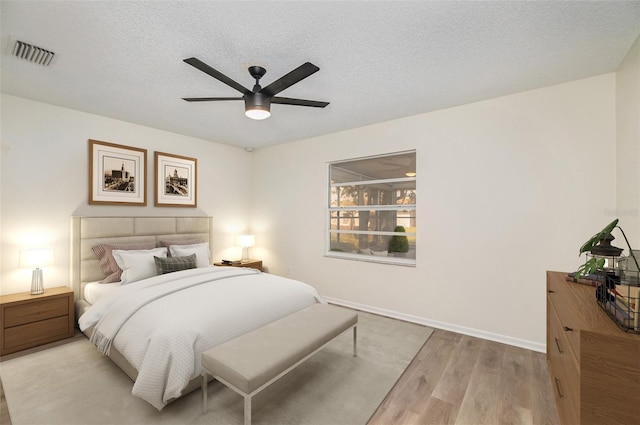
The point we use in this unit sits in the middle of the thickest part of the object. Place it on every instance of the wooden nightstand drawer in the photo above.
(30, 320)
(36, 333)
(36, 311)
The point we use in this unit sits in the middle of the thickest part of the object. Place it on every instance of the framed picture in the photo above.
(176, 180)
(117, 174)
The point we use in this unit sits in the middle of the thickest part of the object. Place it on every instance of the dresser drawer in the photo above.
(36, 333)
(565, 380)
(16, 315)
(564, 339)
(564, 309)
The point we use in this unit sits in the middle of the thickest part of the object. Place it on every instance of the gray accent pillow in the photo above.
(175, 264)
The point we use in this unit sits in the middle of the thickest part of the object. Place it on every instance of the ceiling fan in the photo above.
(257, 102)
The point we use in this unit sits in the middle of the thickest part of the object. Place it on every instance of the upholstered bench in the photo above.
(250, 363)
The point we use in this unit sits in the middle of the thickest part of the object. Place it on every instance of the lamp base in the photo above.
(245, 255)
(37, 286)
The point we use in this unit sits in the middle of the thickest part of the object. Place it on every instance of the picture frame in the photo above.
(175, 180)
(117, 174)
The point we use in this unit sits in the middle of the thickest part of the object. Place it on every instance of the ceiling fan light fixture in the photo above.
(257, 106)
(257, 113)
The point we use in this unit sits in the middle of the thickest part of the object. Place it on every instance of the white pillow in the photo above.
(138, 264)
(200, 249)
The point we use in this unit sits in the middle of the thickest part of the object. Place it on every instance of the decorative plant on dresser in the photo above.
(593, 351)
(617, 278)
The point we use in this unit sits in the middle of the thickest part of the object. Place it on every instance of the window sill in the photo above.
(395, 261)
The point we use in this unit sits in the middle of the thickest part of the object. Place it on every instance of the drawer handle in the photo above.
(559, 389)
(567, 328)
(551, 291)
(558, 345)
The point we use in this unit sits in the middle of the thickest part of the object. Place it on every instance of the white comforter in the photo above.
(162, 324)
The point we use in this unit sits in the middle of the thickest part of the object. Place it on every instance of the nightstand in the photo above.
(30, 320)
(252, 264)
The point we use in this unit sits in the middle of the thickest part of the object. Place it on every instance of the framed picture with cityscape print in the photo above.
(117, 174)
(176, 180)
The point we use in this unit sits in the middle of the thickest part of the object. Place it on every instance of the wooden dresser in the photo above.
(594, 366)
(30, 320)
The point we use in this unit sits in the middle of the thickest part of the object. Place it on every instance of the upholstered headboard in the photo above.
(89, 231)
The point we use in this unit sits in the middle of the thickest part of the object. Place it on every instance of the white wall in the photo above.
(44, 181)
(628, 148)
(507, 189)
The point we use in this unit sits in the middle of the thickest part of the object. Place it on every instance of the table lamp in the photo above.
(37, 258)
(245, 241)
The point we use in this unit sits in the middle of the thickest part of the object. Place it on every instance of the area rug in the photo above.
(73, 384)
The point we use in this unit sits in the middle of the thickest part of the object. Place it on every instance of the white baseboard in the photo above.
(504, 339)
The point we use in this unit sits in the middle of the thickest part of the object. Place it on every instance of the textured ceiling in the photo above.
(378, 60)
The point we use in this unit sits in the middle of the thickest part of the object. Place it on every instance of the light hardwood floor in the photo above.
(457, 379)
(4, 413)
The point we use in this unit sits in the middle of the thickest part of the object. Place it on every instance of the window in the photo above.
(372, 209)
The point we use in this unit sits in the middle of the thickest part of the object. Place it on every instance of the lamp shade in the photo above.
(245, 241)
(36, 257)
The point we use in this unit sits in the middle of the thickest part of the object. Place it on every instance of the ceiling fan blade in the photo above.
(209, 99)
(298, 74)
(197, 63)
(298, 102)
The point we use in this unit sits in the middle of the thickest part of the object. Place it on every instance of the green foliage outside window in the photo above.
(399, 243)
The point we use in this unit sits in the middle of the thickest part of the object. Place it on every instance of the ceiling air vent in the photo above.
(32, 53)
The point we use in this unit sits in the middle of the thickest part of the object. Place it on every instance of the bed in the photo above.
(155, 328)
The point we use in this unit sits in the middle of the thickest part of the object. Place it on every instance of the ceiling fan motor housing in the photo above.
(257, 101)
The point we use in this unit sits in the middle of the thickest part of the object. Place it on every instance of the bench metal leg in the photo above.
(355, 341)
(204, 392)
(247, 409)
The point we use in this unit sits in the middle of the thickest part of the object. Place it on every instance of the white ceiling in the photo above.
(378, 60)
